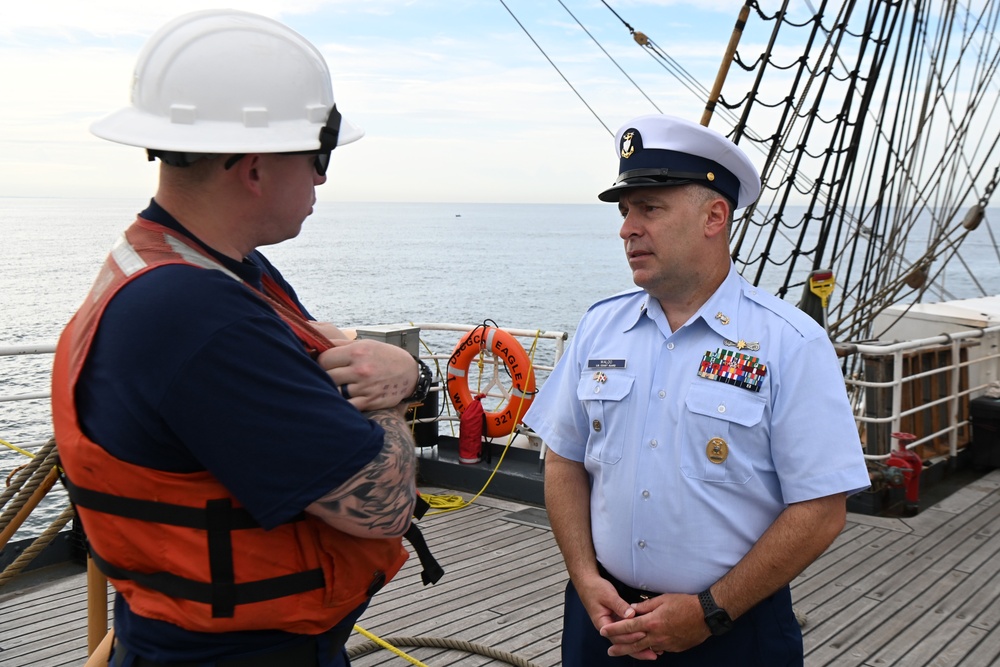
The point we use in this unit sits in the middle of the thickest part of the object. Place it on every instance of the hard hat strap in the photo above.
(328, 136)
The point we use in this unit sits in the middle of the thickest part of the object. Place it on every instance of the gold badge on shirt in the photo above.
(717, 450)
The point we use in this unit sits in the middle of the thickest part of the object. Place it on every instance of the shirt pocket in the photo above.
(719, 412)
(604, 397)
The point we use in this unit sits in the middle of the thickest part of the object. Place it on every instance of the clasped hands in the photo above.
(671, 622)
(370, 374)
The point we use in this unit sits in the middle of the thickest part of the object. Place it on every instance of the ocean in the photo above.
(524, 266)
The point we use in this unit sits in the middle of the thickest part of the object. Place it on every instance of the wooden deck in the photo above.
(908, 592)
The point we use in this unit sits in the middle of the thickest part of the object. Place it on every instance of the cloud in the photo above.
(457, 101)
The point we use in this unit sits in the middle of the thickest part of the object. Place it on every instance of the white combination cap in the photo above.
(656, 151)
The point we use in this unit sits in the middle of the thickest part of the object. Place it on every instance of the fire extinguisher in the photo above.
(911, 465)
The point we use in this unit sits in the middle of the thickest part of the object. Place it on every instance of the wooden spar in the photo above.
(101, 656)
(727, 60)
(30, 504)
(97, 606)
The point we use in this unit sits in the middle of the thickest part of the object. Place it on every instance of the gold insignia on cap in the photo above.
(627, 147)
(717, 450)
(597, 425)
(710, 176)
(722, 318)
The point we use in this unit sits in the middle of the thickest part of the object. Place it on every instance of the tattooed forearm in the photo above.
(378, 500)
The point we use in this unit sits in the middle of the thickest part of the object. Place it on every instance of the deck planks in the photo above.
(910, 592)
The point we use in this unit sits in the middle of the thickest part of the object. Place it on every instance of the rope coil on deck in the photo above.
(23, 480)
(30, 484)
(437, 642)
(37, 546)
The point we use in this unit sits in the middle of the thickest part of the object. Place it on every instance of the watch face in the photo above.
(719, 622)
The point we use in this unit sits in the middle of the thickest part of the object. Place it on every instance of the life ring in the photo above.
(505, 347)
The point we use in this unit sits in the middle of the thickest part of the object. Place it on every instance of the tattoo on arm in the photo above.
(378, 500)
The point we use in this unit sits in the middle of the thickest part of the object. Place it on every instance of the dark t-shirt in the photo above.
(190, 371)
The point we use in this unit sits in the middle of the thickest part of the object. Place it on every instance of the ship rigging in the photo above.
(877, 138)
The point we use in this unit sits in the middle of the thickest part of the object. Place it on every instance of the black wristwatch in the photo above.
(716, 618)
(424, 381)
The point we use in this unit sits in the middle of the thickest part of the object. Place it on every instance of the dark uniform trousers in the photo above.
(766, 636)
(323, 650)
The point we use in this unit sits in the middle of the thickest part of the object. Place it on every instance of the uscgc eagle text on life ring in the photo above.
(505, 347)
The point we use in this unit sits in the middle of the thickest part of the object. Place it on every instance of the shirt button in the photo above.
(670, 346)
(722, 408)
(662, 394)
(597, 390)
(652, 443)
(645, 494)
(641, 544)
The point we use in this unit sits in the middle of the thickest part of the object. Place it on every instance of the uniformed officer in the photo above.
(700, 440)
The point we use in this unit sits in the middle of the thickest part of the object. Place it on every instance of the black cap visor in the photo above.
(650, 168)
(626, 182)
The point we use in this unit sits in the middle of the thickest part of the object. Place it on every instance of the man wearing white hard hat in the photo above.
(243, 473)
(700, 440)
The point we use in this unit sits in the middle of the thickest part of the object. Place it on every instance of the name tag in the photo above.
(605, 363)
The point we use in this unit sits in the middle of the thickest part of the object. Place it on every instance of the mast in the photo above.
(727, 60)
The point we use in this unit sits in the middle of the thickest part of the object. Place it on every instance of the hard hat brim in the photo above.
(132, 127)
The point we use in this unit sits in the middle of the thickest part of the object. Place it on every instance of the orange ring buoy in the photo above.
(504, 346)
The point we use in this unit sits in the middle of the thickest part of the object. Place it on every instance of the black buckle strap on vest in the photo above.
(220, 557)
(432, 571)
(218, 519)
(156, 512)
(420, 507)
(183, 588)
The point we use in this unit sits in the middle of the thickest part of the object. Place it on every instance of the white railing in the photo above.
(922, 387)
(957, 367)
(20, 350)
(37, 394)
(436, 346)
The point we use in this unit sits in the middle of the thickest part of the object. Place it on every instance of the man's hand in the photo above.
(671, 623)
(333, 332)
(601, 601)
(372, 375)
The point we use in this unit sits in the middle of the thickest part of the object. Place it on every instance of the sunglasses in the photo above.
(328, 135)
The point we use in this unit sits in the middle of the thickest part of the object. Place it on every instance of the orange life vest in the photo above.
(178, 546)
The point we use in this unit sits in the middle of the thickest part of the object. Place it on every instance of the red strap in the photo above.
(314, 341)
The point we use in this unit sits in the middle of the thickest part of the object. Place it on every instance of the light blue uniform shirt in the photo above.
(673, 508)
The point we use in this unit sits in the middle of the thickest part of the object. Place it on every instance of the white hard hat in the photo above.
(227, 81)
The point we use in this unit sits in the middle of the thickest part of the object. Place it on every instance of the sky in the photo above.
(458, 103)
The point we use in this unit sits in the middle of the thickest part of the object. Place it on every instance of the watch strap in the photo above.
(707, 602)
(716, 618)
(424, 381)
